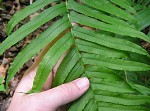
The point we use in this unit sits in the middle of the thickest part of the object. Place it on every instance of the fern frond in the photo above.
(36, 45)
(103, 45)
(50, 59)
(32, 25)
(26, 12)
(109, 93)
(144, 18)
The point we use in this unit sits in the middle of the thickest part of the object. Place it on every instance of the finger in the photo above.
(48, 82)
(63, 94)
(26, 82)
(58, 63)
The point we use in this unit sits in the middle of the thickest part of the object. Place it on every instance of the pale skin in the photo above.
(48, 99)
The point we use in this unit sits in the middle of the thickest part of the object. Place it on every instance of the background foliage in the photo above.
(103, 45)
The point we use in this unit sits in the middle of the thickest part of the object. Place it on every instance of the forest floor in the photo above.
(7, 9)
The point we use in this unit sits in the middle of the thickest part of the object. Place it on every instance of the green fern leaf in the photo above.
(32, 25)
(103, 46)
(1, 84)
(84, 20)
(32, 49)
(144, 18)
(107, 41)
(26, 12)
(50, 59)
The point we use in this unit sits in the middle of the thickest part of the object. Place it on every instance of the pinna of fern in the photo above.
(1, 85)
(104, 46)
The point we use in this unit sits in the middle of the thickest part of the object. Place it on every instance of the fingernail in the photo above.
(82, 83)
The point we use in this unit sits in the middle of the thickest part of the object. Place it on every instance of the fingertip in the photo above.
(82, 83)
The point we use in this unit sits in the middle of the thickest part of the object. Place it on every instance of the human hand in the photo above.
(48, 99)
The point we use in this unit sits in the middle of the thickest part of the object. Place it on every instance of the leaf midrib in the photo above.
(82, 63)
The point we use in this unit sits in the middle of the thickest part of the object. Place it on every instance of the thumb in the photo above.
(63, 94)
